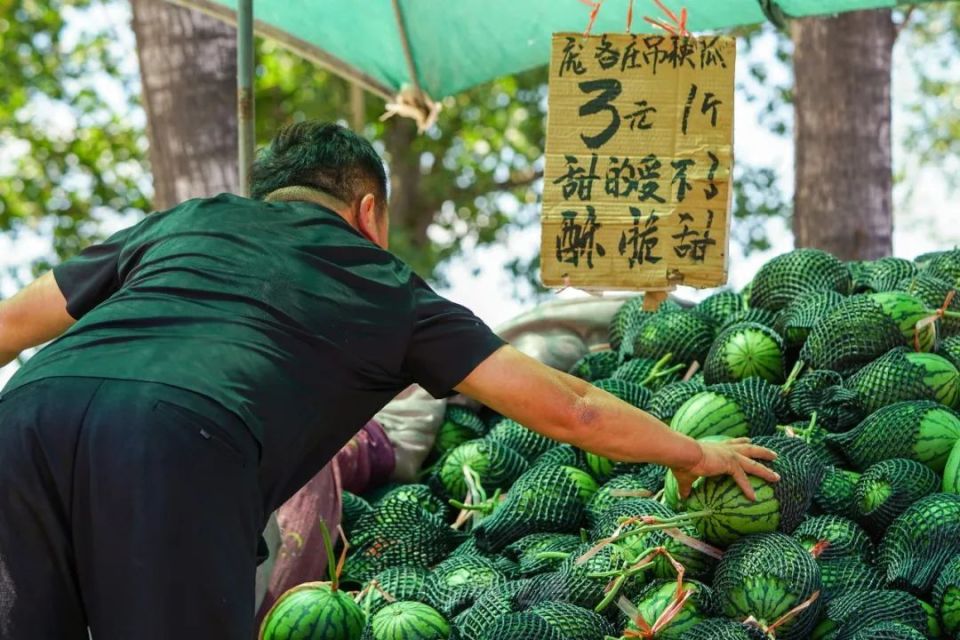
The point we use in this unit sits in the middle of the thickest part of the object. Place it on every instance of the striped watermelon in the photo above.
(710, 414)
(946, 597)
(497, 465)
(951, 473)
(660, 596)
(906, 311)
(900, 375)
(313, 611)
(745, 350)
(407, 621)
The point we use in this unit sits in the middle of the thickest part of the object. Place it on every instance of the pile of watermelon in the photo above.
(849, 371)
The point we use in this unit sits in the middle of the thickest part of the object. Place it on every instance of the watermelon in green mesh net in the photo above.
(901, 374)
(836, 494)
(946, 597)
(924, 259)
(886, 274)
(353, 507)
(951, 472)
(398, 533)
(651, 374)
(887, 631)
(526, 442)
(764, 577)
(821, 392)
(637, 540)
(920, 430)
(724, 412)
(419, 493)
(539, 552)
(544, 499)
(581, 583)
(846, 575)
(520, 625)
(758, 397)
(848, 614)
(459, 425)
(630, 392)
(496, 602)
(670, 397)
(573, 622)
(687, 335)
(454, 584)
(313, 610)
(724, 629)
(563, 454)
(596, 365)
(620, 489)
(407, 621)
(920, 542)
(887, 488)
(661, 595)
(721, 305)
(950, 349)
(791, 274)
(810, 432)
(496, 464)
(743, 351)
(856, 332)
(799, 317)
(626, 319)
(945, 266)
(399, 583)
(759, 316)
(834, 538)
(933, 291)
(859, 275)
(727, 515)
(906, 311)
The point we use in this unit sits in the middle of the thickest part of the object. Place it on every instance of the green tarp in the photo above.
(457, 44)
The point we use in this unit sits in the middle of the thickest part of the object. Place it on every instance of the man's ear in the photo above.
(367, 220)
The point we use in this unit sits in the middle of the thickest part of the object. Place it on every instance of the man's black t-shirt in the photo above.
(279, 312)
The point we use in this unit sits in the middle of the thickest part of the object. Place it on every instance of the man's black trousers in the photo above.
(125, 512)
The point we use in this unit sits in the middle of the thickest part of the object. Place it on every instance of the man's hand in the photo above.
(35, 315)
(736, 458)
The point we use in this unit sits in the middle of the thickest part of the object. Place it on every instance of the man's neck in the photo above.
(309, 194)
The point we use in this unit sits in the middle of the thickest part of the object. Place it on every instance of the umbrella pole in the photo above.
(245, 124)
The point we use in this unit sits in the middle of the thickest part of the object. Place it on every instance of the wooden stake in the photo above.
(653, 299)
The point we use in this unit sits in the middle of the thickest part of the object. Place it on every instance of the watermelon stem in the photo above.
(331, 564)
(792, 378)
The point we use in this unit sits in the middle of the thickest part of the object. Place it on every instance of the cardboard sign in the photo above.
(639, 157)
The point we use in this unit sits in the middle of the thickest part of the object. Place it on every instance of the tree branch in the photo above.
(906, 20)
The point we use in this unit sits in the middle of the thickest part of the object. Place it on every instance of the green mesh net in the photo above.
(575, 583)
(721, 305)
(745, 350)
(420, 494)
(724, 629)
(763, 403)
(454, 584)
(853, 334)
(920, 542)
(886, 274)
(596, 365)
(526, 442)
(945, 266)
(820, 391)
(660, 595)
(799, 317)
(901, 375)
(669, 398)
(398, 533)
(623, 488)
(842, 537)
(846, 575)
(399, 583)
(950, 349)
(783, 279)
(686, 335)
(573, 622)
(836, 494)
(563, 454)
(544, 499)
(760, 316)
(933, 291)
(520, 625)
(887, 488)
(888, 631)
(626, 318)
(765, 576)
(496, 602)
(459, 425)
(353, 507)
(497, 466)
(920, 430)
(852, 612)
(946, 596)
(628, 391)
(539, 552)
(859, 275)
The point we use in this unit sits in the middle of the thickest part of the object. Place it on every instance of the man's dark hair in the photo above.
(324, 156)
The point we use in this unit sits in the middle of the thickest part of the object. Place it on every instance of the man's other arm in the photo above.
(570, 410)
(37, 314)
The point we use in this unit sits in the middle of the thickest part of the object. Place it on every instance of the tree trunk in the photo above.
(188, 68)
(843, 190)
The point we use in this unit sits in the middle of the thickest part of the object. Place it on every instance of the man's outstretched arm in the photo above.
(37, 314)
(570, 410)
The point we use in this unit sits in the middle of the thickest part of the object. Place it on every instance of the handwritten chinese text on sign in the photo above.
(639, 156)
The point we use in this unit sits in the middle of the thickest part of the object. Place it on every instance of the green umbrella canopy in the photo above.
(457, 44)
